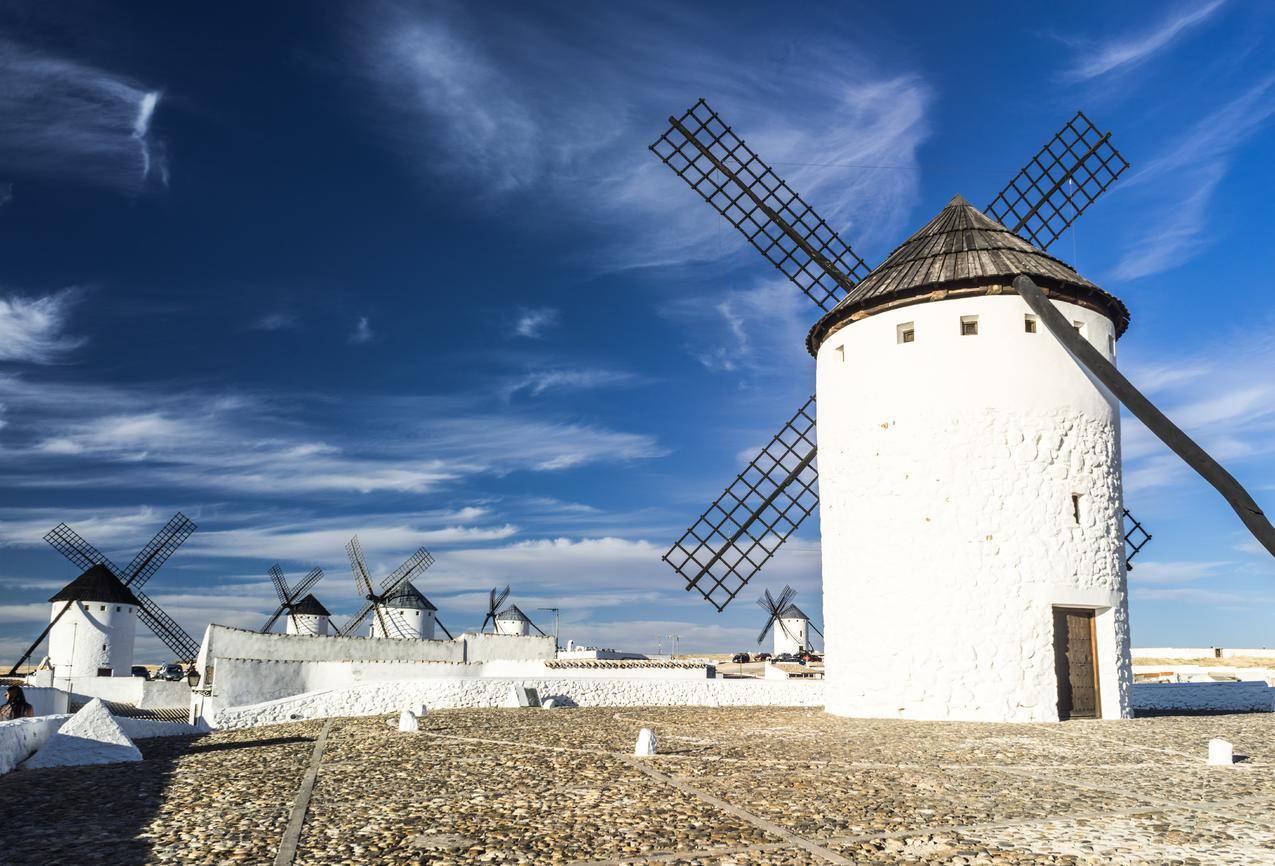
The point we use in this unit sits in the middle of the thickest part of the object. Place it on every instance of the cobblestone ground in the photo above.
(734, 786)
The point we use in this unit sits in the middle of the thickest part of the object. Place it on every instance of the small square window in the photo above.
(102, 607)
(969, 326)
(117, 608)
(906, 332)
(1029, 324)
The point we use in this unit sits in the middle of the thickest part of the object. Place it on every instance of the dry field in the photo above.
(732, 786)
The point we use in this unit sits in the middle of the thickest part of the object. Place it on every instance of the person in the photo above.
(16, 707)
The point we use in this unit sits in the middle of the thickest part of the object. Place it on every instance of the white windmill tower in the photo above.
(399, 609)
(508, 620)
(93, 620)
(791, 625)
(969, 481)
(305, 614)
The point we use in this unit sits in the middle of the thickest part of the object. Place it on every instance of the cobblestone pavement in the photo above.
(741, 786)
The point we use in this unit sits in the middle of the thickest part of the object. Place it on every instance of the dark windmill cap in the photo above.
(310, 606)
(793, 612)
(513, 614)
(408, 597)
(964, 252)
(100, 584)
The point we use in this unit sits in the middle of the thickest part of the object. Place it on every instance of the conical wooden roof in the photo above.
(962, 247)
(408, 597)
(310, 606)
(98, 584)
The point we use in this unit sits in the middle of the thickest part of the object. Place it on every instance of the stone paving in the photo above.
(731, 787)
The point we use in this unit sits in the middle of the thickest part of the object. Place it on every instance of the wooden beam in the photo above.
(1146, 412)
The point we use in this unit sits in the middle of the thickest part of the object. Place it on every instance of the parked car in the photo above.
(811, 657)
(140, 671)
(740, 658)
(761, 657)
(785, 657)
(172, 672)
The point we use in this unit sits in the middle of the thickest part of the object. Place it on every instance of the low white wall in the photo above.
(508, 647)
(20, 738)
(1194, 672)
(47, 701)
(251, 681)
(145, 694)
(1234, 697)
(1172, 652)
(1262, 653)
(375, 698)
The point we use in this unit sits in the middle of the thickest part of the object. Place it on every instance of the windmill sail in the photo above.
(717, 164)
(758, 512)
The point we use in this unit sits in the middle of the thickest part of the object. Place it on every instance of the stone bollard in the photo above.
(1221, 753)
(645, 743)
(549, 703)
(407, 721)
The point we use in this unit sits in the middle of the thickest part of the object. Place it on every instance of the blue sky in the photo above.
(408, 270)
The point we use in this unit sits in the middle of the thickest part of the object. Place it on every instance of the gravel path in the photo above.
(741, 786)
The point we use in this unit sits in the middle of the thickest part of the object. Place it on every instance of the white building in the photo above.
(970, 489)
(513, 621)
(310, 617)
(95, 635)
(408, 614)
(791, 631)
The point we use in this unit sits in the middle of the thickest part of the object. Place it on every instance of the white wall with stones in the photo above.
(389, 697)
(946, 472)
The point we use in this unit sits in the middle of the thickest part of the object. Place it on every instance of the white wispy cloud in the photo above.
(538, 382)
(32, 329)
(1178, 185)
(533, 322)
(117, 436)
(276, 322)
(362, 332)
(65, 118)
(510, 107)
(1096, 58)
(1155, 572)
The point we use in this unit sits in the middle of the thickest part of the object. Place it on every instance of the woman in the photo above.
(16, 707)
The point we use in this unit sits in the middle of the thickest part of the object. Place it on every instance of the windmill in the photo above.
(926, 299)
(788, 621)
(396, 594)
(290, 599)
(495, 600)
(102, 577)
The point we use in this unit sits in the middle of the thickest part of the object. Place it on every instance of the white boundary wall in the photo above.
(21, 738)
(1202, 653)
(389, 697)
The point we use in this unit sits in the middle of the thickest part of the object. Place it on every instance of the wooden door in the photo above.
(1076, 663)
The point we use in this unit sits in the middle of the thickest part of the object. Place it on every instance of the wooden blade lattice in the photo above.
(1059, 183)
(717, 164)
(762, 507)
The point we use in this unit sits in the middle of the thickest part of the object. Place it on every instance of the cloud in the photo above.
(511, 109)
(1179, 184)
(362, 332)
(63, 118)
(538, 382)
(532, 322)
(1174, 572)
(1124, 52)
(31, 329)
(127, 437)
(276, 322)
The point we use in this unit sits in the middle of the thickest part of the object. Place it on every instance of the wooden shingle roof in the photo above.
(98, 584)
(963, 248)
(408, 597)
(310, 606)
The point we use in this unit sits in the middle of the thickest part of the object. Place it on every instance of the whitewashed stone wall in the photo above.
(21, 738)
(946, 473)
(375, 698)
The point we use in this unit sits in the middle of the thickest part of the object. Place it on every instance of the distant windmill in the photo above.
(495, 600)
(513, 621)
(789, 622)
(396, 599)
(101, 630)
(292, 599)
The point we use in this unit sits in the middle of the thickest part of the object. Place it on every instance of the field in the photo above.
(748, 787)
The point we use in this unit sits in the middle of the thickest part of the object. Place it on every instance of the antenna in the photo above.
(553, 610)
